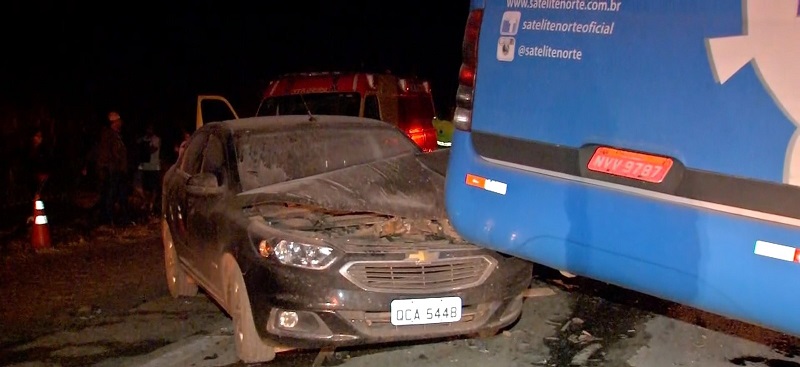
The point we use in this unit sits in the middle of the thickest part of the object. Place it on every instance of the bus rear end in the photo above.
(649, 144)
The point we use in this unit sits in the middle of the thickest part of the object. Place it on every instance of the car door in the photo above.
(212, 108)
(371, 107)
(206, 194)
(181, 207)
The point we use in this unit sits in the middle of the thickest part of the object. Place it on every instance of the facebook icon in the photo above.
(510, 23)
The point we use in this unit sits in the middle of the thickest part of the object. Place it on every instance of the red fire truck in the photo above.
(404, 102)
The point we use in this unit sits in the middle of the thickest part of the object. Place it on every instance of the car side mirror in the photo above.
(204, 183)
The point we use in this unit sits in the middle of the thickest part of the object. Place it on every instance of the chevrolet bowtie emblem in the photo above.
(423, 256)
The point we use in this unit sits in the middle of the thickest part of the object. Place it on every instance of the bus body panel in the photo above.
(649, 81)
(685, 253)
(710, 89)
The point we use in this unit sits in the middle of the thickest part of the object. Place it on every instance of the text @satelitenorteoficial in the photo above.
(551, 17)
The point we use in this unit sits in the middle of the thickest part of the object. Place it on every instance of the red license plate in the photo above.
(633, 165)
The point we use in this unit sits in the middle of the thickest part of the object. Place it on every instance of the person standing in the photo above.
(181, 146)
(149, 147)
(38, 161)
(112, 167)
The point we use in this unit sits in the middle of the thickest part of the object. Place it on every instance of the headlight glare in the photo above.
(303, 255)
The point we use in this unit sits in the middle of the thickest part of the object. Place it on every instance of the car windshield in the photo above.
(278, 156)
(342, 104)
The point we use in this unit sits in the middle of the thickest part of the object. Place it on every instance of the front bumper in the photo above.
(332, 311)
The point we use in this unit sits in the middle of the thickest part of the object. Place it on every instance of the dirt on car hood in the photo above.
(401, 186)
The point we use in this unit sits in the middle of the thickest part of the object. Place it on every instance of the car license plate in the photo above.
(423, 311)
(633, 165)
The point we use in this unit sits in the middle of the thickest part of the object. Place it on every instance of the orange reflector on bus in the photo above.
(486, 184)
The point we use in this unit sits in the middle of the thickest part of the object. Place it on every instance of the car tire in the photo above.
(179, 283)
(249, 346)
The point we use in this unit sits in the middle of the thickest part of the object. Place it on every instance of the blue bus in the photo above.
(649, 144)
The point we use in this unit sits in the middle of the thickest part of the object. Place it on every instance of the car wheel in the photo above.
(178, 282)
(249, 346)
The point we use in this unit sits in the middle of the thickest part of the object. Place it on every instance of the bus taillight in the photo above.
(462, 118)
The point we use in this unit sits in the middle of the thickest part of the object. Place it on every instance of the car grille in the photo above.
(408, 276)
(400, 247)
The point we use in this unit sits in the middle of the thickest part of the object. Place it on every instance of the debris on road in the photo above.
(478, 344)
(585, 337)
(552, 323)
(538, 292)
(566, 326)
(325, 354)
(542, 362)
(564, 285)
(582, 357)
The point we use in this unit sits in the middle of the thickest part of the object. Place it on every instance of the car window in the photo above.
(270, 158)
(215, 110)
(371, 109)
(214, 158)
(193, 154)
(344, 104)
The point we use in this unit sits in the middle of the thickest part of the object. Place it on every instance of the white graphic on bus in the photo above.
(771, 40)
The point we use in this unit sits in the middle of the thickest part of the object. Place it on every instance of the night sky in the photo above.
(149, 60)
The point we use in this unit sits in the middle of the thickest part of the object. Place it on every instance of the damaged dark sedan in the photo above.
(327, 231)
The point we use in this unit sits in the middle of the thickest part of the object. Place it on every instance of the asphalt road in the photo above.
(98, 299)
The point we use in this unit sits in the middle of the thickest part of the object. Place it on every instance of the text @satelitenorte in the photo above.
(547, 51)
(512, 23)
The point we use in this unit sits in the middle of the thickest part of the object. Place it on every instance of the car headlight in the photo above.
(303, 255)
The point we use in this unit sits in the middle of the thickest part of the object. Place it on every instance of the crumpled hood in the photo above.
(401, 186)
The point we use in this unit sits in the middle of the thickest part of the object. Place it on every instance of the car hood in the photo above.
(401, 186)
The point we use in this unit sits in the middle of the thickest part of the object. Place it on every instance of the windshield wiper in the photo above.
(308, 110)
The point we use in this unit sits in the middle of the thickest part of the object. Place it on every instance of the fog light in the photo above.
(264, 248)
(297, 324)
(288, 319)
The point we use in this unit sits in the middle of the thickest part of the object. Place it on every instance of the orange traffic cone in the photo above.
(40, 238)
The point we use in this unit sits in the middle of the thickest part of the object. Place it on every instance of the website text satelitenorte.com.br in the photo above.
(601, 28)
(583, 5)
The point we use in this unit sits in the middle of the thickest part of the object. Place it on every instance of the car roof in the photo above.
(267, 124)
